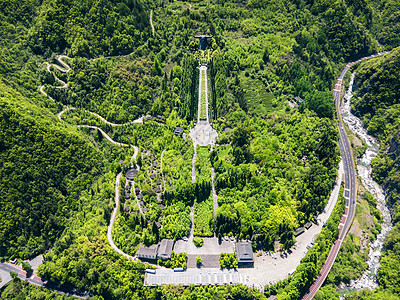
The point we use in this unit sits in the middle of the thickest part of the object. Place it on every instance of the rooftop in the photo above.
(244, 252)
(178, 130)
(308, 225)
(191, 276)
(299, 231)
(147, 252)
(165, 249)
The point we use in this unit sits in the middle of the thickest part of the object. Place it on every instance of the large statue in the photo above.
(203, 40)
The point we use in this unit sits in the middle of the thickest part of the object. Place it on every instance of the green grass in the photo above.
(203, 110)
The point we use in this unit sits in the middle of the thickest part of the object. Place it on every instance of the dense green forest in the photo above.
(44, 167)
(274, 172)
(268, 188)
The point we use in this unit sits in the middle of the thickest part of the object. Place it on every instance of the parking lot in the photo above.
(191, 276)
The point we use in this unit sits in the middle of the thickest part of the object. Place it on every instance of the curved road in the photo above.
(350, 185)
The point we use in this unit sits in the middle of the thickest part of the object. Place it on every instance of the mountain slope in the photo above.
(377, 102)
(43, 168)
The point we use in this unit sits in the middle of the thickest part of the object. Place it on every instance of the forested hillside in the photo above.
(44, 167)
(89, 28)
(274, 173)
(377, 102)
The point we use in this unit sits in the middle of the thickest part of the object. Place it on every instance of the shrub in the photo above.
(198, 241)
(228, 260)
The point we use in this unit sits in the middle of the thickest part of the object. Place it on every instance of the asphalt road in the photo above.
(34, 279)
(350, 185)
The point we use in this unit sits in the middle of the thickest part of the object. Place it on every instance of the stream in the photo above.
(369, 278)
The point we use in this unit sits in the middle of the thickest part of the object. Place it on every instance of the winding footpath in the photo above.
(66, 69)
(137, 121)
(350, 186)
(112, 220)
(151, 23)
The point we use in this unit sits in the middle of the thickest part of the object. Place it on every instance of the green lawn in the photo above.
(203, 110)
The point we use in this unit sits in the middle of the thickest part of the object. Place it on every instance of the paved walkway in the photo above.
(5, 278)
(203, 134)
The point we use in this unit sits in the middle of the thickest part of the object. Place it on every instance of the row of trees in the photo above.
(219, 70)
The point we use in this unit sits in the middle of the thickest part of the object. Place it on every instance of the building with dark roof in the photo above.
(165, 249)
(244, 254)
(308, 225)
(299, 231)
(178, 131)
(147, 252)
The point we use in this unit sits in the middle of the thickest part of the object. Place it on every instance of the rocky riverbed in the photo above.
(369, 278)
